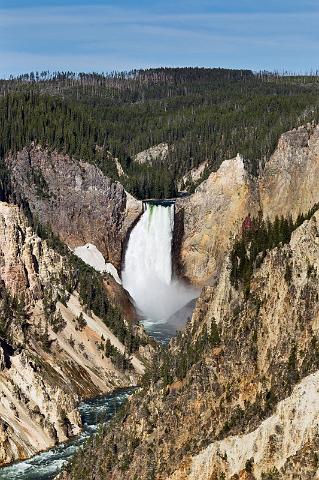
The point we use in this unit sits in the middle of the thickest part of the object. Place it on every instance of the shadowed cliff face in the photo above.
(213, 215)
(260, 380)
(75, 199)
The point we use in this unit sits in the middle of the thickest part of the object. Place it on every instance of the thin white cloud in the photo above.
(94, 19)
(110, 15)
(103, 38)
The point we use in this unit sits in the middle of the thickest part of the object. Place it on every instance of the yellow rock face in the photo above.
(289, 183)
(213, 215)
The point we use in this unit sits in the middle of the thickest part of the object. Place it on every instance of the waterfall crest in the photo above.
(147, 273)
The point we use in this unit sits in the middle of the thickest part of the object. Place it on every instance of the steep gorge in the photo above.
(263, 346)
(235, 395)
(238, 371)
(225, 399)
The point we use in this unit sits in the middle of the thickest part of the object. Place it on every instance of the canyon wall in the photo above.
(246, 368)
(74, 199)
(212, 217)
(52, 348)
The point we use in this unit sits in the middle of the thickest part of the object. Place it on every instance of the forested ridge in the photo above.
(204, 114)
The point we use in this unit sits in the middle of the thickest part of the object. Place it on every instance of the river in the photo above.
(46, 465)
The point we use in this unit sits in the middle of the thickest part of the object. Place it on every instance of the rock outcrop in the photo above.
(289, 183)
(210, 219)
(273, 447)
(52, 349)
(193, 176)
(153, 154)
(247, 404)
(75, 199)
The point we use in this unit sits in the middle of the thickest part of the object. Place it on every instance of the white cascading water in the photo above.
(147, 273)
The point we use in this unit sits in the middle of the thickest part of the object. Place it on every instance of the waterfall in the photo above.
(147, 273)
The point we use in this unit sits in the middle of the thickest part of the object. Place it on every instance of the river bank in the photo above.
(46, 465)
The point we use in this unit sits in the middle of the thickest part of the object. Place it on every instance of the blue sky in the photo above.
(103, 35)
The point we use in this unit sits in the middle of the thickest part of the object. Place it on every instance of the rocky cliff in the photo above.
(52, 347)
(193, 177)
(288, 184)
(158, 153)
(75, 199)
(236, 397)
(210, 219)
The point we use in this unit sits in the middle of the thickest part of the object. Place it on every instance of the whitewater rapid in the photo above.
(147, 273)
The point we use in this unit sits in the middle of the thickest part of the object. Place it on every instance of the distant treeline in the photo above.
(206, 114)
